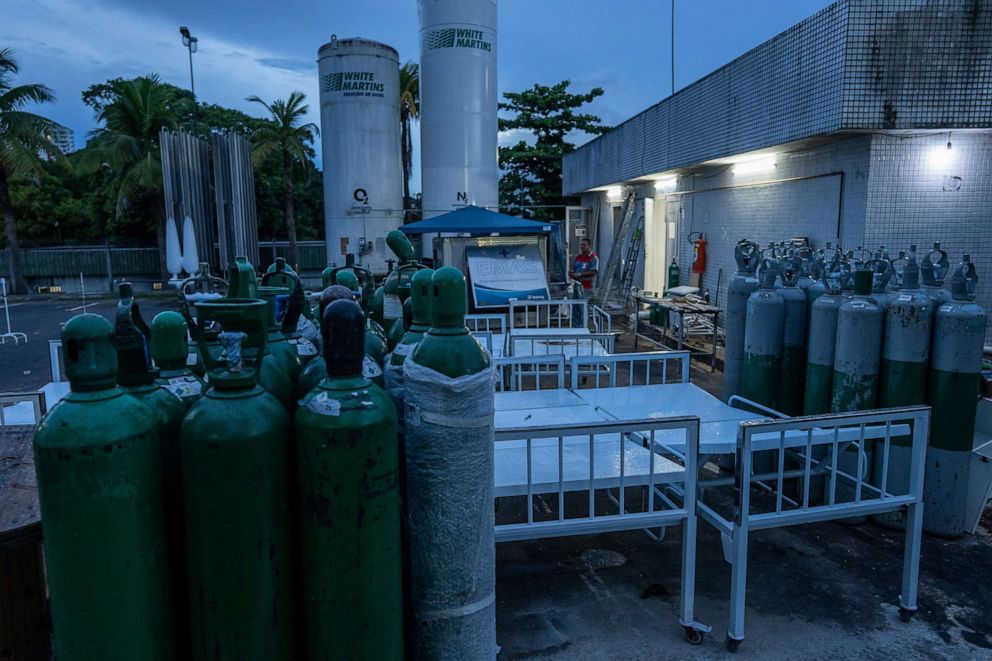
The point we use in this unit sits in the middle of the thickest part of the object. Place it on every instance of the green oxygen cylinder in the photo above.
(376, 306)
(279, 264)
(792, 377)
(347, 461)
(953, 393)
(449, 398)
(903, 377)
(858, 349)
(169, 344)
(396, 287)
(365, 279)
(420, 323)
(98, 460)
(823, 338)
(398, 330)
(136, 376)
(327, 275)
(278, 343)
(236, 465)
(763, 331)
(295, 303)
(350, 280)
(673, 274)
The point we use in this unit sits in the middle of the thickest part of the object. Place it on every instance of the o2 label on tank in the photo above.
(304, 347)
(392, 307)
(370, 368)
(183, 386)
(321, 404)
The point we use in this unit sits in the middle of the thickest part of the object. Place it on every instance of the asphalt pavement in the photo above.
(26, 367)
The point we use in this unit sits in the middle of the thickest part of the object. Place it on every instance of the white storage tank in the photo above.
(360, 136)
(458, 104)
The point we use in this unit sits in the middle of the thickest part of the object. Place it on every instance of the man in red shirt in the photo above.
(585, 266)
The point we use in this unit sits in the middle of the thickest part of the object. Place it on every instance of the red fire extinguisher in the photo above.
(698, 251)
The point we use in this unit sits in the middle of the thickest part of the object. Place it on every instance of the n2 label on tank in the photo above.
(184, 386)
(323, 404)
(304, 347)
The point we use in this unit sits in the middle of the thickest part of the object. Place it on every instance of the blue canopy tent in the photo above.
(476, 221)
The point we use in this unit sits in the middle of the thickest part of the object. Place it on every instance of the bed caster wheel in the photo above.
(905, 614)
(693, 636)
(733, 644)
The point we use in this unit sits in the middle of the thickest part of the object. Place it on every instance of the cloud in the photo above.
(74, 44)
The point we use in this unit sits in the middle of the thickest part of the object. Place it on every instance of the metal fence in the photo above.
(70, 261)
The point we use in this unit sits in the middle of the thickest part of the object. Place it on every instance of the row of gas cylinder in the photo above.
(811, 332)
(253, 510)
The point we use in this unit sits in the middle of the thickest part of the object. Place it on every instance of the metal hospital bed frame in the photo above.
(606, 456)
(558, 314)
(796, 438)
(797, 444)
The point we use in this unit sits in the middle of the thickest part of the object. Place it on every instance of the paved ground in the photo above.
(26, 367)
(826, 590)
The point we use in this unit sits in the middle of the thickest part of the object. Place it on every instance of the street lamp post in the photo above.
(190, 43)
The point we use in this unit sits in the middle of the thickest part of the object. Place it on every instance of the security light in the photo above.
(184, 31)
(755, 165)
(666, 184)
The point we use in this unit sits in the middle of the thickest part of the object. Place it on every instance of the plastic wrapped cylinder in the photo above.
(450, 401)
(449, 460)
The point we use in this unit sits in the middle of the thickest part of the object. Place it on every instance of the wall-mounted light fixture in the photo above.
(614, 192)
(755, 165)
(666, 184)
(940, 157)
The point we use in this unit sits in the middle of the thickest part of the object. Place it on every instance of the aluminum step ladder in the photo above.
(630, 263)
(626, 228)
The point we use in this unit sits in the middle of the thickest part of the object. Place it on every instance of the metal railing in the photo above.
(516, 372)
(651, 366)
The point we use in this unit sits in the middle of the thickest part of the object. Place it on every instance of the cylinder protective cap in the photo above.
(169, 340)
(342, 327)
(420, 294)
(90, 355)
(448, 297)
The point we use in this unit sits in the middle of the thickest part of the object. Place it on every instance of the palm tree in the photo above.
(285, 136)
(128, 146)
(21, 141)
(409, 110)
